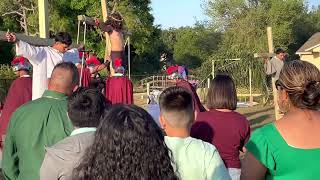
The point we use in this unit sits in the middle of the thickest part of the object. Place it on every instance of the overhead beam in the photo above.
(88, 20)
(263, 55)
(36, 41)
(33, 40)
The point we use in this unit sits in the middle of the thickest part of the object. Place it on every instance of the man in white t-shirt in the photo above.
(193, 158)
(43, 59)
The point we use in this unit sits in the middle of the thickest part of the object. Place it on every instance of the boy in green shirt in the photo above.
(193, 158)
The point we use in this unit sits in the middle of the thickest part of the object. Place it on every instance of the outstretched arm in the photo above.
(32, 53)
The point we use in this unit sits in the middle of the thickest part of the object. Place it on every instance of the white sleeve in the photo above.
(34, 54)
(215, 168)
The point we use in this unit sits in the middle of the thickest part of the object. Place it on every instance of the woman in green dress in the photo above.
(289, 149)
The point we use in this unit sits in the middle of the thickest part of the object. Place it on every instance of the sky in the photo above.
(177, 13)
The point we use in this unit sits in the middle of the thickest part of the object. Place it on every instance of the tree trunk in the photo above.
(24, 16)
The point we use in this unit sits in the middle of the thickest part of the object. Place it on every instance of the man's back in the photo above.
(33, 126)
(273, 67)
(196, 159)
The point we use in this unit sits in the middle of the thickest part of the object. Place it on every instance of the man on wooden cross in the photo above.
(274, 66)
(43, 59)
(115, 49)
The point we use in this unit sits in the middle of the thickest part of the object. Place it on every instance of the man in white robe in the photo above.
(43, 59)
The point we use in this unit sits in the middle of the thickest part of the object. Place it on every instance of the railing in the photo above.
(160, 82)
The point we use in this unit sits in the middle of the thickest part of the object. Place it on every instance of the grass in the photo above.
(258, 115)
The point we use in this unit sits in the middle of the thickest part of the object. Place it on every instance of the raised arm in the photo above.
(32, 53)
(269, 67)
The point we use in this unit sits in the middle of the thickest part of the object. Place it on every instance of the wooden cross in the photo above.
(44, 40)
(33, 40)
(268, 55)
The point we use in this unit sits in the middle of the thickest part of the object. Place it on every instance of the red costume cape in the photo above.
(19, 93)
(119, 90)
(86, 77)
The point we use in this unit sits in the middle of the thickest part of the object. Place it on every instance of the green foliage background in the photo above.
(235, 29)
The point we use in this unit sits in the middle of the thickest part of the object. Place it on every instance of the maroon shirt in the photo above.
(228, 131)
(19, 93)
(119, 90)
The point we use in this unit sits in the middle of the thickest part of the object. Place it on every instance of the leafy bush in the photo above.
(6, 77)
(6, 72)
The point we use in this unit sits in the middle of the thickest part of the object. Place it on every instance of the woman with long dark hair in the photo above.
(128, 145)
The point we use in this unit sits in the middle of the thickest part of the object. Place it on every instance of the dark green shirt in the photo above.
(283, 161)
(35, 125)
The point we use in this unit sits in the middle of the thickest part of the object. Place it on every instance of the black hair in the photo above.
(85, 107)
(128, 144)
(176, 99)
(63, 37)
(115, 20)
(279, 51)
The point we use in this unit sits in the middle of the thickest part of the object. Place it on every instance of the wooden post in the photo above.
(250, 86)
(105, 17)
(274, 90)
(148, 91)
(208, 84)
(104, 9)
(43, 18)
(270, 39)
(129, 58)
(213, 68)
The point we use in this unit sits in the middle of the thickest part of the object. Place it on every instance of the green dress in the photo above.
(35, 125)
(283, 162)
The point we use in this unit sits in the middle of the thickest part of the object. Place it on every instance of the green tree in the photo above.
(243, 24)
(63, 17)
(190, 46)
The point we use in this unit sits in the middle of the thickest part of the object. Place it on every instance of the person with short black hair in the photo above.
(63, 38)
(221, 125)
(43, 59)
(39, 123)
(193, 158)
(274, 66)
(128, 145)
(85, 108)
